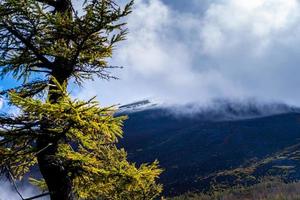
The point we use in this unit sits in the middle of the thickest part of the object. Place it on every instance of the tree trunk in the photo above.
(55, 174)
(56, 177)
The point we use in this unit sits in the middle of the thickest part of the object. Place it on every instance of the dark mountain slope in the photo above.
(193, 147)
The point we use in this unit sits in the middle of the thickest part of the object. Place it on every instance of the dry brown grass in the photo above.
(268, 190)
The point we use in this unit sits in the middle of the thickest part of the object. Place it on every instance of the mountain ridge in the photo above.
(191, 147)
(218, 109)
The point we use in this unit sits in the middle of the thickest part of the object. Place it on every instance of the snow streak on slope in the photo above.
(219, 109)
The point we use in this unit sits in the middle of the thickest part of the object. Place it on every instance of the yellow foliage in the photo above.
(88, 151)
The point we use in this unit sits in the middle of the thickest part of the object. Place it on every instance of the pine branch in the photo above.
(28, 89)
(26, 42)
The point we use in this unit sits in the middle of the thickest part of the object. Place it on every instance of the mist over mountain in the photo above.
(218, 109)
(199, 145)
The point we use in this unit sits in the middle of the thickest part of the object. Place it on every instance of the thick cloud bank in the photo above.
(207, 49)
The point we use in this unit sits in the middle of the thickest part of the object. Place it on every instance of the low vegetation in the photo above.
(272, 189)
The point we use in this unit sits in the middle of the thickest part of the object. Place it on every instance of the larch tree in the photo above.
(46, 44)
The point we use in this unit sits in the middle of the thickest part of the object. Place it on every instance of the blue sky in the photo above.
(181, 51)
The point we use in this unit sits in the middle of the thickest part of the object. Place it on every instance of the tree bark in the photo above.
(55, 174)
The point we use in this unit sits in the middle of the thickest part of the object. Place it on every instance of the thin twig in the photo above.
(14, 183)
(38, 196)
(43, 149)
(11, 177)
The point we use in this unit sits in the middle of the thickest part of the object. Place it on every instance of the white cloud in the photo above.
(261, 21)
(230, 49)
(1, 103)
(8, 193)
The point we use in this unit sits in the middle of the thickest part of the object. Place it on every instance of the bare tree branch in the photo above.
(38, 196)
(12, 179)
(49, 2)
